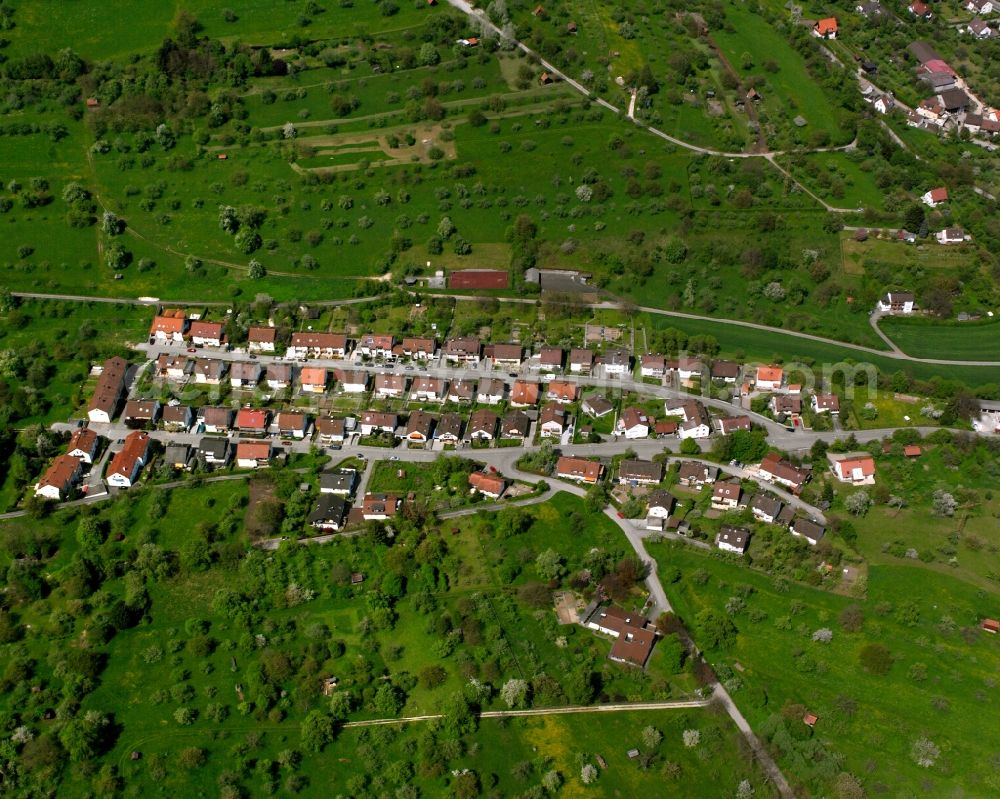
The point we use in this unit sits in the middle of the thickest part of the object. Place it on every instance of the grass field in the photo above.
(942, 670)
(958, 340)
(839, 179)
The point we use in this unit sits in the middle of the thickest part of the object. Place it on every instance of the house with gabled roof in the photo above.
(652, 365)
(313, 379)
(638, 472)
(811, 531)
(634, 635)
(209, 371)
(825, 403)
(550, 359)
(171, 366)
(482, 425)
(515, 424)
(261, 339)
(731, 424)
(330, 430)
(726, 495)
(419, 427)
(292, 424)
(896, 302)
(579, 470)
(561, 391)
(253, 454)
(461, 391)
(83, 444)
(316, 344)
(660, 504)
(389, 386)
(920, 9)
(489, 485)
(108, 393)
(581, 361)
(428, 389)
(617, 363)
(141, 414)
(597, 406)
(171, 325)
(207, 334)
(60, 478)
(726, 371)
(177, 418)
(126, 464)
(419, 349)
(215, 451)
(244, 374)
(633, 423)
(491, 391)
(765, 507)
(462, 349)
(553, 420)
(251, 420)
(507, 356)
(769, 378)
(524, 394)
(376, 345)
(217, 420)
(786, 405)
(329, 512)
(449, 428)
(694, 474)
(379, 507)
(775, 469)
(378, 422)
(952, 235)
(825, 28)
(278, 376)
(935, 197)
(857, 468)
(351, 381)
(733, 539)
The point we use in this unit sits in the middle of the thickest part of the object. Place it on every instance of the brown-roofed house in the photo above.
(479, 279)
(489, 485)
(168, 326)
(317, 344)
(482, 425)
(253, 454)
(419, 426)
(524, 394)
(129, 460)
(634, 636)
(637, 472)
(389, 386)
(108, 393)
(580, 470)
(217, 420)
(261, 339)
(83, 444)
(206, 334)
(139, 414)
(59, 478)
(448, 428)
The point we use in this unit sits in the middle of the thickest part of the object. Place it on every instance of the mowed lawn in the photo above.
(792, 92)
(957, 341)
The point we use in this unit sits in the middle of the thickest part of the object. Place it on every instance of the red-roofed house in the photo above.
(316, 344)
(169, 326)
(561, 391)
(249, 420)
(478, 279)
(912, 451)
(206, 334)
(524, 394)
(253, 454)
(857, 469)
(578, 469)
(769, 378)
(59, 478)
(83, 444)
(489, 485)
(825, 28)
(920, 9)
(935, 197)
(261, 339)
(313, 379)
(129, 460)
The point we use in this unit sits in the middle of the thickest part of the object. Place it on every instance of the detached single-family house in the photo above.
(209, 371)
(177, 456)
(581, 361)
(489, 485)
(171, 325)
(376, 345)
(825, 28)
(693, 474)
(952, 235)
(330, 431)
(60, 478)
(172, 367)
(128, 461)
(515, 424)
(896, 302)
(490, 391)
(141, 414)
(461, 391)
(733, 539)
(215, 451)
(685, 368)
(980, 29)
(419, 427)
(379, 507)
(617, 363)
(553, 420)
(652, 365)
(244, 374)
(253, 421)
(550, 359)
(313, 379)
(376, 422)
(769, 378)
(110, 387)
(351, 381)
(597, 406)
(524, 394)
(809, 530)
(561, 391)
(884, 103)
(726, 495)
(482, 425)
(292, 424)
(278, 376)
(725, 371)
(328, 513)
(825, 403)
(309, 344)
(253, 454)
(83, 444)
(733, 423)
(428, 389)
(177, 418)
(633, 423)
(389, 386)
(463, 349)
(660, 504)
(697, 423)
(776, 470)
(338, 482)
(980, 6)
(634, 636)
(419, 349)
(856, 468)
(449, 428)
(935, 197)
(579, 470)
(920, 9)
(507, 356)
(261, 339)
(207, 334)
(637, 472)
(765, 507)
(786, 405)
(217, 420)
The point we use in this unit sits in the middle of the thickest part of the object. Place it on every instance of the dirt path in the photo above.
(751, 109)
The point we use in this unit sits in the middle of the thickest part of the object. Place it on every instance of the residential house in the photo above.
(825, 28)
(652, 365)
(634, 636)
(769, 378)
(126, 464)
(330, 431)
(177, 456)
(685, 368)
(697, 423)
(379, 507)
(217, 420)
(169, 326)
(419, 427)
(177, 418)
(351, 381)
(449, 428)
(579, 470)
(524, 394)
(786, 405)
(825, 403)
(215, 451)
(856, 468)
(419, 349)
(389, 386)
(141, 414)
(482, 425)
(428, 389)
(553, 420)
(209, 371)
(207, 334)
(637, 472)
(765, 507)
(504, 356)
(733, 539)
(338, 482)
(725, 371)
(633, 423)
(954, 101)
(733, 423)
(278, 376)
(60, 478)
(464, 349)
(244, 374)
(665, 427)
(83, 445)
(920, 9)
(377, 422)
(261, 339)
(597, 406)
(253, 454)
(581, 361)
(871, 9)
(491, 391)
(660, 504)
(617, 363)
(896, 302)
(777, 470)
(935, 197)
(313, 379)
(462, 391)
(376, 345)
(515, 424)
(172, 367)
(981, 7)
(312, 344)
(809, 530)
(489, 485)
(726, 495)
(292, 424)
(952, 235)
(884, 103)
(329, 512)
(561, 391)
(110, 386)
(695, 475)
(252, 421)
(550, 359)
